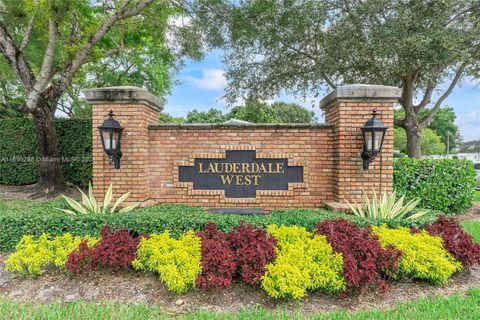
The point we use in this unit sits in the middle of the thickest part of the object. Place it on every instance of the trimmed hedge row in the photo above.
(36, 219)
(445, 185)
(18, 151)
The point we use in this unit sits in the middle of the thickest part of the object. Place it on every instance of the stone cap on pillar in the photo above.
(368, 92)
(124, 95)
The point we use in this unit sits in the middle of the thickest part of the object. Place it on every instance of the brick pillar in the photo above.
(349, 107)
(135, 108)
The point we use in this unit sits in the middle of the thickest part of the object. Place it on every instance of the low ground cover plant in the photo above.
(365, 262)
(305, 262)
(178, 262)
(218, 261)
(423, 255)
(243, 252)
(114, 251)
(286, 261)
(31, 254)
(253, 250)
(459, 243)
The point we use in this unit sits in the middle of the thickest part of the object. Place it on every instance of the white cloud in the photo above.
(212, 79)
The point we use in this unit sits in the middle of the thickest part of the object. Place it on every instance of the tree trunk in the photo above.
(51, 178)
(414, 148)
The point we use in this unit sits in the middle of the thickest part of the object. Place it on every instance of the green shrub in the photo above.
(75, 144)
(41, 218)
(441, 184)
(18, 151)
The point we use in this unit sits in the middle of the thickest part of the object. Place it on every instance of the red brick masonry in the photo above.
(329, 153)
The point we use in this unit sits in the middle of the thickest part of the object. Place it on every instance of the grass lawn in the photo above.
(476, 196)
(454, 307)
(472, 227)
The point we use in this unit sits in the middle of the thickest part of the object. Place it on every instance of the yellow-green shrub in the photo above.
(31, 254)
(305, 262)
(423, 255)
(178, 262)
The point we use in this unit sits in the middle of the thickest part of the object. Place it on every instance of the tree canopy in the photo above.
(305, 47)
(54, 48)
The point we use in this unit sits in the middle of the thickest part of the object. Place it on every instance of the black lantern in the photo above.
(111, 134)
(373, 134)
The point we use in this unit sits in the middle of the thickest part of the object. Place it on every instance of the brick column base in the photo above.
(349, 107)
(135, 108)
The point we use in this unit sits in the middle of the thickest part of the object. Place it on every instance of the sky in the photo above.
(202, 85)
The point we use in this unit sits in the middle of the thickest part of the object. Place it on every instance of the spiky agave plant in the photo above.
(386, 207)
(90, 205)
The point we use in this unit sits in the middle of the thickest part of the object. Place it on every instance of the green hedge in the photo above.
(39, 218)
(445, 185)
(18, 151)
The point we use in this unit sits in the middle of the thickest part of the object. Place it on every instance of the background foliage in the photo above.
(251, 111)
(18, 151)
(442, 184)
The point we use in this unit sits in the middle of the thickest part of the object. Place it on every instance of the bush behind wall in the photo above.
(18, 151)
(446, 185)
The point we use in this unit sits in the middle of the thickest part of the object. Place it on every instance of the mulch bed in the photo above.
(136, 287)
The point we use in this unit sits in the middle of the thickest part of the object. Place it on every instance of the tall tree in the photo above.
(443, 124)
(48, 45)
(431, 142)
(425, 47)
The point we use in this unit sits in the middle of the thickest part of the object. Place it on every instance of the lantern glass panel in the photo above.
(368, 140)
(377, 141)
(107, 139)
(115, 136)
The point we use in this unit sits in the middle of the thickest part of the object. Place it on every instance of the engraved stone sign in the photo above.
(240, 174)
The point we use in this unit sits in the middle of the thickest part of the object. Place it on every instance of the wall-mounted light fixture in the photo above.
(373, 132)
(111, 135)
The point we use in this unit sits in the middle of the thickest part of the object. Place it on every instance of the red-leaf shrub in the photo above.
(365, 262)
(218, 263)
(114, 251)
(253, 250)
(459, 243)
(80, 259)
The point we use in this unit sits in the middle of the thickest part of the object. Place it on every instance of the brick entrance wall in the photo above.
(329, 153)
